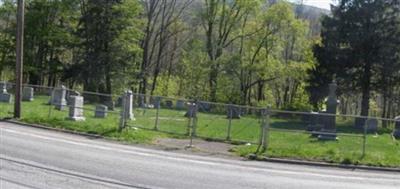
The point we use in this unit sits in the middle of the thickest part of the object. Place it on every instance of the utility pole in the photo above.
(19, 59)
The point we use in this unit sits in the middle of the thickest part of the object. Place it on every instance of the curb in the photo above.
(323, 164)
(52, 128)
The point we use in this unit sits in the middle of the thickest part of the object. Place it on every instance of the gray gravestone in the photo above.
(127, 102)
(101, 111)
(58, 98)
(371, 125)
(76, 108)
(313, 121)
(110, 105)
(329, 126)
(4, 95)
(169, 104)
(6, 85)
(119, 101)
(233, 112)
(204, 107)
(27, 94)
(156, 101)
(180, 104)
(191, 111)
(70, 94)
(396, 133)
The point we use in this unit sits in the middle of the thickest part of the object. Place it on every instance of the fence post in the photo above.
(157, 113)
(190, 127)
(194, 124)
(123, 113)
(228, 136)
(265, 129)
(364, 138)
(51, 102)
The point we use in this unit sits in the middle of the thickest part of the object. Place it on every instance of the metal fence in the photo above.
(275, 131)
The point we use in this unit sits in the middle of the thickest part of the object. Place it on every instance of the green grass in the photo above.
(381, 150)
(38, 112)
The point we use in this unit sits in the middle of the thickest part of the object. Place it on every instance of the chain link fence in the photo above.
(274, 132)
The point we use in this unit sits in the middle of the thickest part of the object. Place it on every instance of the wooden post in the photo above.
(19, 59)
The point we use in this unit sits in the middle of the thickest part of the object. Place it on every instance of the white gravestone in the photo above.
(127, 105)
(76, 108)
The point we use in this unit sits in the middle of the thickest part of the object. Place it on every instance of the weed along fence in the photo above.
(273, 133)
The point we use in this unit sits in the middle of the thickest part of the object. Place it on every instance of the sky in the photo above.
(325, 4)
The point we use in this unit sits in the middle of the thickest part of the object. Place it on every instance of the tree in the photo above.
(356, 40)
(107, 30)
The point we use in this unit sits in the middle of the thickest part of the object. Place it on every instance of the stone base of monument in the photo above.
(396, 134)
(325, 135)
(76, 118)
(5, 97)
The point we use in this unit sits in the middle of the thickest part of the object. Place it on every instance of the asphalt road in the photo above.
(41, 159)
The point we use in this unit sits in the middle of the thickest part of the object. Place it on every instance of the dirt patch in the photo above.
(199, 146)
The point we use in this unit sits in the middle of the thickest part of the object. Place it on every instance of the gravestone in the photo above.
(204, 107)
(180, 104)
(101, 111)
(396, 133)
(70, 94)
(7, 85)
(110, 105)
(155, 101)
(233, 112)
(58, 98)
(119, 101)
(76, 108)
(329, 126)
(191, 110)
(127, 103)
(4, 95)
(27, 94)
(313, 121)
(141, 101)
(371, 126)
(169, 104)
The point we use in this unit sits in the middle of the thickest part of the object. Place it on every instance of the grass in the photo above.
(381, 150)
